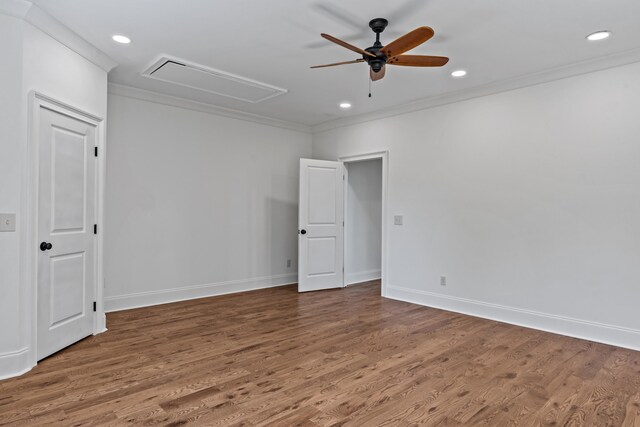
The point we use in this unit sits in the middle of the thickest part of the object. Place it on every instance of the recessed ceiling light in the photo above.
(598, 35)
(345, 105)
(459, 73)
(121, 39)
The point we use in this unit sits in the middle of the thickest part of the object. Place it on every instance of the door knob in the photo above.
(44, 246)
(303, 231)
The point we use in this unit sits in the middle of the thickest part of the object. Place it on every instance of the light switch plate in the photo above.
(7, 222)
(397, 220)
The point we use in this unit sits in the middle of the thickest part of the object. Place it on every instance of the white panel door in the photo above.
(66, 213)
(321, 226)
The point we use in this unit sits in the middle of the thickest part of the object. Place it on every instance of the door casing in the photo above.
(29, 241)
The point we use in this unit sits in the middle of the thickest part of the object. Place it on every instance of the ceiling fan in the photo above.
(377, 56)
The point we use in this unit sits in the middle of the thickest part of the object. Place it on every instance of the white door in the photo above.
(321, 226)
(66, 240)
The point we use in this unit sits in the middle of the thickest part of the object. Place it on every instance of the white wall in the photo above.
(32, 61)
(58, 72)
(197, 204)
(11, 144)
(528, 202)
(364, 221)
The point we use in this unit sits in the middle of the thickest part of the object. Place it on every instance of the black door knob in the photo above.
(44, 246)
(303, 231)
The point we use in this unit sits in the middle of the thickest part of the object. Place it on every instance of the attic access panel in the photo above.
(210, 80)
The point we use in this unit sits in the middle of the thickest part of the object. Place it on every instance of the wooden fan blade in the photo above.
(338, 63)
(347, 45)
(408, 41)
(379, 75)
(418, 61)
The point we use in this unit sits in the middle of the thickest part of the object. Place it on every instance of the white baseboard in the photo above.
(577, 328)
(165, 296)
(14, 363)
(362, 276)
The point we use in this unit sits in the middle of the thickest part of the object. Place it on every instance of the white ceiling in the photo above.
(275, 42)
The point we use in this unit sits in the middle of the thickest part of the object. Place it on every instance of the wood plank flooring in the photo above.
(330, 358)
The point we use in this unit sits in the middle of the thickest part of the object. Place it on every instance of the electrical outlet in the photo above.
(443, 280)
(288, 263)
(7, 222)
(397, 220)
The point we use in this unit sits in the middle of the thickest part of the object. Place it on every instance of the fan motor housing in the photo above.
(378, 62)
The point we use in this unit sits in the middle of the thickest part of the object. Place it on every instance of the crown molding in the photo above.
(559, 73)
(54, 28)
(15, 8)
(174, 101)
(37, 17)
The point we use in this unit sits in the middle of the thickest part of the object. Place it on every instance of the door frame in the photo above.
(30, 206)
(384, 155)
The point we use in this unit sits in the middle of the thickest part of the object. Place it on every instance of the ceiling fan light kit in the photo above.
(379, 55)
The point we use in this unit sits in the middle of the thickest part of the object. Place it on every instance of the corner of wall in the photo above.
(15, 363)
(61, 33)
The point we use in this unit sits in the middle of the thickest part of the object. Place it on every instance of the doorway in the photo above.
(363, 221)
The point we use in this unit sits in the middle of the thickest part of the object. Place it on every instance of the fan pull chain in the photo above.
(369, 86)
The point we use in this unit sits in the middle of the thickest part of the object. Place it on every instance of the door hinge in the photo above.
(95, 228)
(96, 151)
(95, 306)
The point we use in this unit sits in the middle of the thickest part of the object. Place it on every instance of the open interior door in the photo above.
(320, 225)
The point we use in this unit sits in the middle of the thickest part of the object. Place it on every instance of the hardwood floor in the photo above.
(341, 357)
